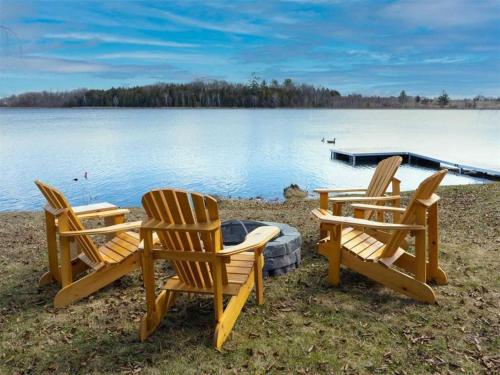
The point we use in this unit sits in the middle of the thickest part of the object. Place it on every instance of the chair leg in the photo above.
(77, 267)
(66, 270)
(230, 314)
(164, 301)
(53, 274)
(112, 220)
(150, 320)
(323, 204)
(259, 279)
(94, 281)
(408, 263)
(46, 279)
(390, 277)
(434, 272)
(334, 254)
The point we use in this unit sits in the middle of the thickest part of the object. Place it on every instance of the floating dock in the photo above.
(363, 157)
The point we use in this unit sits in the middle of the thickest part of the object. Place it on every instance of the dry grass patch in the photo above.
(306, 326)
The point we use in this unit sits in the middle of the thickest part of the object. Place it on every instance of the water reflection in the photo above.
(239, 153)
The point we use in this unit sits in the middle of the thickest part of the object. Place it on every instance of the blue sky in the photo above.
(355, 46)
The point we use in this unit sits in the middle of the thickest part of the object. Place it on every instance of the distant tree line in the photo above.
(255, 93)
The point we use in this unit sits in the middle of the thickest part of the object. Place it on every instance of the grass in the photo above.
(305, 326)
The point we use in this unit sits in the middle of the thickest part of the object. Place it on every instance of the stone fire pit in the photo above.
(281, 255)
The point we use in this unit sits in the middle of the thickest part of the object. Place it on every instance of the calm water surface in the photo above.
(238, 153)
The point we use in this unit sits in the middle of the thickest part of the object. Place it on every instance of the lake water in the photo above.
(234, 152)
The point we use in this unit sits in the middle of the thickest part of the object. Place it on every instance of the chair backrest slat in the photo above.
(57, 201)
(195, 240)
(382, 177)
(180, 207)
(424, 191)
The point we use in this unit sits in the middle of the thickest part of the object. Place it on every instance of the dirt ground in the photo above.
(305, 326)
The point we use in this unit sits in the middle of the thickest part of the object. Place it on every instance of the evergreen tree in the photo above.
(403, 98)
(443, 99)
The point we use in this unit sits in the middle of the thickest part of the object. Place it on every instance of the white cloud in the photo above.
(50, 65)
(191, 58)
(57, 65)
(118, 39)
(240, 27)
(443, 13)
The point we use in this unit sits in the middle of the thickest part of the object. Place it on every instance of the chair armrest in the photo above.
(256, 239)
(104, 230)
(375, 207)
(158, 225)
(353, 190)
(103, 214)
(429, 202)
(94, 207)
(326, 217)
(365, 199)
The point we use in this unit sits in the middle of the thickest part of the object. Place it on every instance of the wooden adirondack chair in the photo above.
(189, 230)
(376, 191)
(107, 211)
(350, 245)
(107, 263)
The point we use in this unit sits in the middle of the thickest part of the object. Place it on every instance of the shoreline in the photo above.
(267, 108)
(311, 196)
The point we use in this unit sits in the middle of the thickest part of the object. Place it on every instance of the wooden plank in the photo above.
(238, 270)
(375, 207)
(334, 254)
(323, 200)
(254, 240)
(248, 256)
(201, 268)
(258, 276)
(111, 221)
(349, 221)
(123, 252)
(50, 229)
(110, 254)
(420, 242)
(368, 244)
(240, 263)
(374, 248)
(201, 216)
(433, 241)
(390, 277)
(94, 207)
(174, 283)
(94, 281)
(122, 241)
(226, 321)
(349, 236)
(364, 199)
(180, 198)
(356, 240)
(167, 206)
(326, 190)
(236, 278)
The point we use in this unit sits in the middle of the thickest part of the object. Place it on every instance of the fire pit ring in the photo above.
(281, 255)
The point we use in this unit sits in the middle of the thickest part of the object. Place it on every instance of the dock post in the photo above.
(354, 160)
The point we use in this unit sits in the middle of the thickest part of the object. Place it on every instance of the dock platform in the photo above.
(364, 157)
